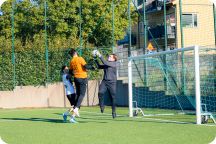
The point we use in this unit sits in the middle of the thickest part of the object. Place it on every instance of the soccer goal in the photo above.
(180, 81)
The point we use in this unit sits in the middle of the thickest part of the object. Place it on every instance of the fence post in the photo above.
(113, 27)
(129, 28)
(46, 44)
(13, 48)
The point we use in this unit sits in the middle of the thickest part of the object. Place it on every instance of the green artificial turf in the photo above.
(45, 126)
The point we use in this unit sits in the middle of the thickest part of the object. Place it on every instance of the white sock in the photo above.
(76, 109)
(72, 117)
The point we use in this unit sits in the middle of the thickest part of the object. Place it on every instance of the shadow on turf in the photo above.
(35, 119)
(95, 120)
(101, 117)
(52, 120)
(104, 119)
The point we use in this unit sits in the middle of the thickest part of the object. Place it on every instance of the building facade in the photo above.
(196, 26)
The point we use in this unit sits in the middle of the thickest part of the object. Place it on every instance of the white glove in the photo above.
(98, 54)
(94, 53)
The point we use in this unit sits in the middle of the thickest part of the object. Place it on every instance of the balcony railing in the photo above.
(126, 40)
(155, 5)
(158, 32)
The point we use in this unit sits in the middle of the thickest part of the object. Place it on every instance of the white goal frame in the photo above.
(196, 71)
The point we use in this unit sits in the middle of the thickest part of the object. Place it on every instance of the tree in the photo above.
(63, 21)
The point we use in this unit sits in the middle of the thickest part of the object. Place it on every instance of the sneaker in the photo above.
(64, 117)
(102, 109)
(114, 115)
(76, 111)
(72, 120)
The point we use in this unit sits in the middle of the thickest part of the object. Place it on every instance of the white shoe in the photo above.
(72, 120)
(76, 111)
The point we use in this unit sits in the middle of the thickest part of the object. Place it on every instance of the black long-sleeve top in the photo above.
(110, 69)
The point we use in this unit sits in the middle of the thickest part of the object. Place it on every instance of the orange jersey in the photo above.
(77, 66)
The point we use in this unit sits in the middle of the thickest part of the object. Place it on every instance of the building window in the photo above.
(189, 20)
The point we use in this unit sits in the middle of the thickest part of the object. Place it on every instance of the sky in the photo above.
(1, 2)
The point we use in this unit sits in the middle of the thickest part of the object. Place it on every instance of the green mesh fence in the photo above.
(30, 66)
(35, 39)
(6, 76)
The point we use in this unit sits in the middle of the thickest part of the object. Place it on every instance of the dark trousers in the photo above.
(80, 84)
(71, 99)
(111, 88)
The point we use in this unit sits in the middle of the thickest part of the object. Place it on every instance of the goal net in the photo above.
(175, 82)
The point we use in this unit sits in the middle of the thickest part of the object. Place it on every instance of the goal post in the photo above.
(130, 88)
(174, 82)
(197, 85)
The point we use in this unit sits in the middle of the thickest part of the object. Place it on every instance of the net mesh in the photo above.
(167, 81)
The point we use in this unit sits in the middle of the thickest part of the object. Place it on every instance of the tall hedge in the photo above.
(30, 67)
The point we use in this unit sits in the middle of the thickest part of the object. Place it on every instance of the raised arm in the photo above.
(107, 63)
(99, 65)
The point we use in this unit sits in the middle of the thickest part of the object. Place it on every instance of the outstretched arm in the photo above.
(86, 65)
(89, 67)
(105, 63)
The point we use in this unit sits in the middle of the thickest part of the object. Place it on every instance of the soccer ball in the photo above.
(94, 53)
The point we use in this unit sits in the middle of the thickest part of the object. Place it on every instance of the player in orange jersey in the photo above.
(78, 68)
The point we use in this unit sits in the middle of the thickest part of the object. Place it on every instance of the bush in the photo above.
(30, 67)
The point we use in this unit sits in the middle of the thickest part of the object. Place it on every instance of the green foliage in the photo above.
(6, 74)
(63, 21)
(31, 66)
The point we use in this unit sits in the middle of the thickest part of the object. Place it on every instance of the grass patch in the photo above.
(45, 126)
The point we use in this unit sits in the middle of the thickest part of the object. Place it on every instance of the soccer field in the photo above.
(45, 126)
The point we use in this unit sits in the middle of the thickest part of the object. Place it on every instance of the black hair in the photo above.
(62, 69)
(72, 52)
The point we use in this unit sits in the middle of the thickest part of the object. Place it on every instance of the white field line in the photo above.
(155, 119)
(2, 142)
(214, 141)
(168, 114)
(145, 118)
(140, 117)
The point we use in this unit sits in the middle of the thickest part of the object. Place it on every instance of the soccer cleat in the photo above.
(72, 120)
(114, 115)
(64, 117)
(76, 111)
(102, 109)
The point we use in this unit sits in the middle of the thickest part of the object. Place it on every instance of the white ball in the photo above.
(94, 53)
